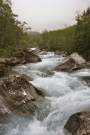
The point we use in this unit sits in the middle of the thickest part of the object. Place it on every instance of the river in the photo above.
(65, 94)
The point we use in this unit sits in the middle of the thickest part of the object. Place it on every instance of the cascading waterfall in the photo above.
(65, 95)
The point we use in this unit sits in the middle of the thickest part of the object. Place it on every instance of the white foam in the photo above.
(66, 94)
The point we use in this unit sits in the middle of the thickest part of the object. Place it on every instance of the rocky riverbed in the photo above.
(48, 96)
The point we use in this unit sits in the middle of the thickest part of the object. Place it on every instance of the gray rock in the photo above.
(77, 58)
(18, 95)
(3, 108)
(72, 63)
(26, 56)
(79, 124)
(22, 57)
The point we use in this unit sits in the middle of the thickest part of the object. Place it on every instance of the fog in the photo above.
(48, 14)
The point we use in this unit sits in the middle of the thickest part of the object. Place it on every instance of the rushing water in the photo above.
(65, 95)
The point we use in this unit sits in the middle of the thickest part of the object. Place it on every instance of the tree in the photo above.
(10, 29)
(82, 38)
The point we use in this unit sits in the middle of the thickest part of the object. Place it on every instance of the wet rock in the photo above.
(43, 52)
(67, 66)
(77, 58)
(22, 57)
(18, 95)
(63, 53)
(83, 75)
(36, 50)
(86, 79)
(72, 63)
(26, 56)
(79, 124)
(3, 108)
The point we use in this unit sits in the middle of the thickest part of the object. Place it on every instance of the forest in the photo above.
(14, 35)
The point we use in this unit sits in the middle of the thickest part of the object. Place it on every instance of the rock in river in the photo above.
(18, 95)
(26, 56)
(22, 57)
(72, 63)
(79, 124)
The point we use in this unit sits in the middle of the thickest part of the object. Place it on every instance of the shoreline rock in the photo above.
(19, 96)
(72, 63)
(22, 57)
(25, 56)
(79, 124)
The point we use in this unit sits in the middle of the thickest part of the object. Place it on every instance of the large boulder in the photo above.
(18, 95)
(27, 56)
(79, 124)
(22, 57)
(72, 63)
(77, 58)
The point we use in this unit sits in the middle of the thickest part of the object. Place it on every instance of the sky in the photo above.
(48, 14)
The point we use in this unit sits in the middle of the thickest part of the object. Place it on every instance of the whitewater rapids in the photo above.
(65, 94)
